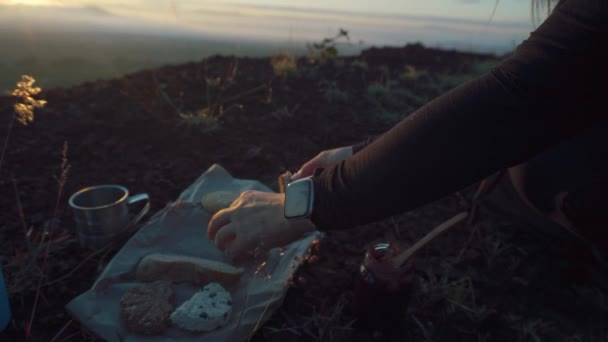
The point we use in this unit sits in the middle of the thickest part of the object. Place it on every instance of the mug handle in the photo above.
(142, 212)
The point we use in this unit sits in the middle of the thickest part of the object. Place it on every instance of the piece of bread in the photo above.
(284, 180)
(177, 268)
(216, 201)
(207, 310)
(146, 309)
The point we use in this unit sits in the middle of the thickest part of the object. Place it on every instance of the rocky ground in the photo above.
(156, 131)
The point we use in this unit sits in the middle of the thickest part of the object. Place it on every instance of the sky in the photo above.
(69, 41)
(512, 10)
(460, 24)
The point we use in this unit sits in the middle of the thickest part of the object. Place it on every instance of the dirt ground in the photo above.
(156, 131)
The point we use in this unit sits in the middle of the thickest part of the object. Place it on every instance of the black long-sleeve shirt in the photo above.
(553, 87)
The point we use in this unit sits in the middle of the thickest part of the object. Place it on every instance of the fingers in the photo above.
(308, 168)
(220, 219)
(240, 245)
(225, 236)
(234, 243)
(296, 175)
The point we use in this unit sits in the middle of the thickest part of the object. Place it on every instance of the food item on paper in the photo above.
(146, 309)
(179, 268)
(207, 310)
(216, 201)
(284, 180)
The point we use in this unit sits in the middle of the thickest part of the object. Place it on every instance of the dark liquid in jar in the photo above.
(382, 291)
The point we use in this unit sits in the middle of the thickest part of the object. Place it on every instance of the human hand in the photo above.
(255, 219)
(322, 160)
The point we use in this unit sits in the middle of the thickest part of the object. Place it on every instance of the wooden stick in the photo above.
(405, 255)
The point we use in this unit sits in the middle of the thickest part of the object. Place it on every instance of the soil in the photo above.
(486, 282)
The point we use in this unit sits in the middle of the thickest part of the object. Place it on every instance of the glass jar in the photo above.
(382, 291)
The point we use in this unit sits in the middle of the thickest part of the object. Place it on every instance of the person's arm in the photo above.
(363, 144)
(546, 92)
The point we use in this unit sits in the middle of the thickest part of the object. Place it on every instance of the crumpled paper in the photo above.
(180, 228)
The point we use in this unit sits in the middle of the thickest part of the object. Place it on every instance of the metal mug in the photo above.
(102, 213)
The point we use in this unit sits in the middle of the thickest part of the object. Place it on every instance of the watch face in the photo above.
(297, 199)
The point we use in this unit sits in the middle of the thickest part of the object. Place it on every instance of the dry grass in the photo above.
(29, 267)
(50, 232)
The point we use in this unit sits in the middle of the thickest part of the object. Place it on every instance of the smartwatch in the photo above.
(299, 199)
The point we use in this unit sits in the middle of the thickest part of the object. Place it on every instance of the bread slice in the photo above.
(178, 268)
(218, 200)
(284, 181)
(209, 309)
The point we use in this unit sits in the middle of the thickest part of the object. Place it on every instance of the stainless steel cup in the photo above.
(102, 213)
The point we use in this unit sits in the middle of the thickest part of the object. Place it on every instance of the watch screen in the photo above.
(297, 199)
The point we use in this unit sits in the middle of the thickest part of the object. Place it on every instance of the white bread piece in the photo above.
(216, 201)
(207, 310)
(178, 268)
(284, 181)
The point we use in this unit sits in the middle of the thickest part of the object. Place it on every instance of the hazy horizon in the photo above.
(271, 20)
(107, 38)
(515, 10)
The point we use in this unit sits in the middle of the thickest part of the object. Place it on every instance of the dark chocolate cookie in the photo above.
(146, 309)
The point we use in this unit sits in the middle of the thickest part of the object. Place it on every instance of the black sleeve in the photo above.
(546, 92)
(361, 145)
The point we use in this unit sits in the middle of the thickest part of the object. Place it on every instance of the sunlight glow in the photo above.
(34, 2)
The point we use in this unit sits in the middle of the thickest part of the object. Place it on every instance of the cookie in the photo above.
(146, 309)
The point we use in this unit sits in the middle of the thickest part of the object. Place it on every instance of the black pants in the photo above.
(579, 167)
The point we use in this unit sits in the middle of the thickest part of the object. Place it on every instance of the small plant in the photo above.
(24, 107)
(411, 73)
(359, 65)
(283, 113)
(391, 104)
(26, 103)
(493, 248)
(449, 81)
(332, 93)
(395, 97)
(532, 330)
(377, 90)
(283, 64)
(218, 103)
(326, 49)
(213, 82)
(202, 120)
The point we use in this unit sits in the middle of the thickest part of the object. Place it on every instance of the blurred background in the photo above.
(68, 42)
